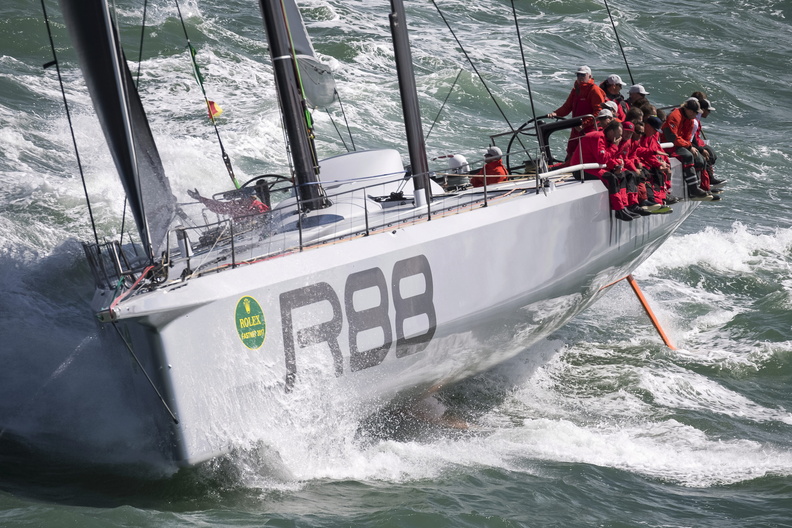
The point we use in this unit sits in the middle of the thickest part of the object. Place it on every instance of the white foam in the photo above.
(662, 449)
(677, 388)
(741, 250)
(666, 450)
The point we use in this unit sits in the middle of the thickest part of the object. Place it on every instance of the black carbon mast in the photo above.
(409, 98)
(293, 105)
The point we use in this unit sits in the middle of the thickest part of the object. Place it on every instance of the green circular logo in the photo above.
(250, 323)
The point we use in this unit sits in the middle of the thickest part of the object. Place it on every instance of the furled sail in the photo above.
(317, 81)
(123, 120)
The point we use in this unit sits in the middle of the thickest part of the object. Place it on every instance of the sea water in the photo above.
(614, 429)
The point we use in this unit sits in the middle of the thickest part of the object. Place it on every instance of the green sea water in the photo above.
(614, 429)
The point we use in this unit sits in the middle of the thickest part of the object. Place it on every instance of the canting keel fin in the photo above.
(647, 309)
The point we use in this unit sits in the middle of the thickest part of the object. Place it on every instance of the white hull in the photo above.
(491, 282)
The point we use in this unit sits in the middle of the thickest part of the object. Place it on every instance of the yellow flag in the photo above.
(214, 109)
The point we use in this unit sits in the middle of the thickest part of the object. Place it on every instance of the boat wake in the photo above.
(572, 410)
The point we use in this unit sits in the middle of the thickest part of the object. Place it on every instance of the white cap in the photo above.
(614, 79)
(493, 153)
(584, 69)
(458, 164)
(639, 89)
(611, 105)
(605, 113)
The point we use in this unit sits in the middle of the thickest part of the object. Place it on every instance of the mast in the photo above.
(293, 105)
(409, 97)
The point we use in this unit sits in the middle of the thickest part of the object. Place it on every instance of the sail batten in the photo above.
(122, 118)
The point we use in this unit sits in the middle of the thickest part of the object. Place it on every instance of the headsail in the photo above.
(123, 120)
(317, 81)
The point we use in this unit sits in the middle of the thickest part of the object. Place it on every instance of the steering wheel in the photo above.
(270, 185)
(526, 129)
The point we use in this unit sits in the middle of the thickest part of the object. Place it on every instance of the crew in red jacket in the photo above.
(677, 128)
(612, 86)
(585, 98)
(603, 147)
(493, 171)
(627, 148)
(655, 161)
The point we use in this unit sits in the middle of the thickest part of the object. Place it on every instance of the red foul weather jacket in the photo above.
(677, 128)
(648, 149)
(584, 99)
(627, 152)
(593, 148)
(493, 168)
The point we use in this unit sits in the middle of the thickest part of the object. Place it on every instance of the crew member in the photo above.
(493, 171)
(586, 98)
(602, 147)
(677, 129)
(238, 208)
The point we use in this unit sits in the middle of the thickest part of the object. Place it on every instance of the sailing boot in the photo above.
(623, 214)
(697, 193)
(638, 210)
(693, 184)
(715, 181)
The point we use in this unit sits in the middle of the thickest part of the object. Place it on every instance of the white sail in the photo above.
(317, 80)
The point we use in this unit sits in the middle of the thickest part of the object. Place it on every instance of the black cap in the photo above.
(692, 104)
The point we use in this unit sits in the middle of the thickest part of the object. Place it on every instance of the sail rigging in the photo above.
(123, 119)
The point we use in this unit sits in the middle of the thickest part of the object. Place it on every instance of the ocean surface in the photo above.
(613, 430)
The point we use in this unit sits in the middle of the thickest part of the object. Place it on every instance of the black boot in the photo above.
(637, 209)
(716, 181)
(622, 214)
(697, 193)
